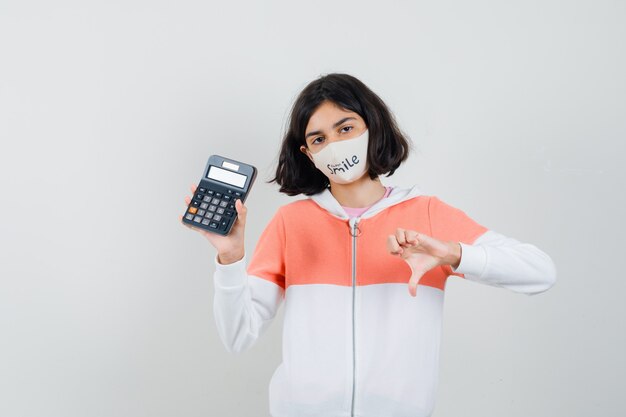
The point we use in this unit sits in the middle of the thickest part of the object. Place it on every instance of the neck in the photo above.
(361, 193)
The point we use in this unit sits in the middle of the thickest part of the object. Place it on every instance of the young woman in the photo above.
(355, 342)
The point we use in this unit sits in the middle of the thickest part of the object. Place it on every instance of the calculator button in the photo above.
(206, 222)
(193, 210)
(218, 195)
(204, 206)
(206, 199)
(231, 206)
(197, 219)
(229, 191)
(217, 217)
(212, 208)
(189, 216)
(220, 211)
(214, 225)
(215, 201)
(195, 203)
(208, 215)
(199, 196)
(224, 224)
(223, 203)
(210, 192)
(237, 194)
(203, 190)
(227, 197)
(229, 213)
(201, 212)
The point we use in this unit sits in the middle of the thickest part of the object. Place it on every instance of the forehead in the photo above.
(327, 114)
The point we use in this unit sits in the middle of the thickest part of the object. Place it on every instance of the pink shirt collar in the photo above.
(357, 211)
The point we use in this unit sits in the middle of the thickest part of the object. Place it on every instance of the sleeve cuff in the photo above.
(473, 260)
(230, 276)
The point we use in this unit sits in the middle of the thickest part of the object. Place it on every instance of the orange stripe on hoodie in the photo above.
(305, 244)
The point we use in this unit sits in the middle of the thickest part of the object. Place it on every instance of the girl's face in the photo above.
(330, 123)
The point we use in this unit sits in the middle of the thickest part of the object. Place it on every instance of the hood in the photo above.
(327, 201)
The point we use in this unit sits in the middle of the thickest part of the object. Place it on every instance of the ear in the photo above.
(305, 151)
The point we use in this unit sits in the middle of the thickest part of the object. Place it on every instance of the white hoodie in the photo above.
(355, 343)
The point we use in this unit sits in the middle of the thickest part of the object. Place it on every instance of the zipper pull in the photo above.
(354, 226)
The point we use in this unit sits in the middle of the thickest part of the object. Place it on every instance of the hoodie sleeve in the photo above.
(247, 299)
(488, 257)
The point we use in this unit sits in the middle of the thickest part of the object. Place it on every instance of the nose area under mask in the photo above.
(343, 161)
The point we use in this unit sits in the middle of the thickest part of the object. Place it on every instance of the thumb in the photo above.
(416, 274)
(415, 277)
(242, 211)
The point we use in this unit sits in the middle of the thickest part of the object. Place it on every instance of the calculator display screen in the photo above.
(229, 177)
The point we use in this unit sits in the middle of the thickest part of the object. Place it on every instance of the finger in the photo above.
(193, 188)
(392, 245)
(400, 236)
(411, 237)
(242, 212)
(415, 277)
(424, 240)
(187, 200)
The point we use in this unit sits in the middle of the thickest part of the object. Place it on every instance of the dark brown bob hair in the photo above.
(388, 146)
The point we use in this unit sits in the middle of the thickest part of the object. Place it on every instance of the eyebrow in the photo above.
(317, 132)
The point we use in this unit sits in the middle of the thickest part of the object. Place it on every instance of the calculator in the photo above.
(212, 207)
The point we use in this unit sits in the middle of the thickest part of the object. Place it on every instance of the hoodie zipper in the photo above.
(353, 232)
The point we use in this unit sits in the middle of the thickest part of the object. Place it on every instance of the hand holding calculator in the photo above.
(212, 207)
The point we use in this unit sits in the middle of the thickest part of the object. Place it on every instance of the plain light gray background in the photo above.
(109, 110)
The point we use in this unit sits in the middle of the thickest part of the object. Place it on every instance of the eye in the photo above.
(346, 127)
(314, 140)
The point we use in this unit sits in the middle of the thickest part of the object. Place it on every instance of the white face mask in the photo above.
(343, 161)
